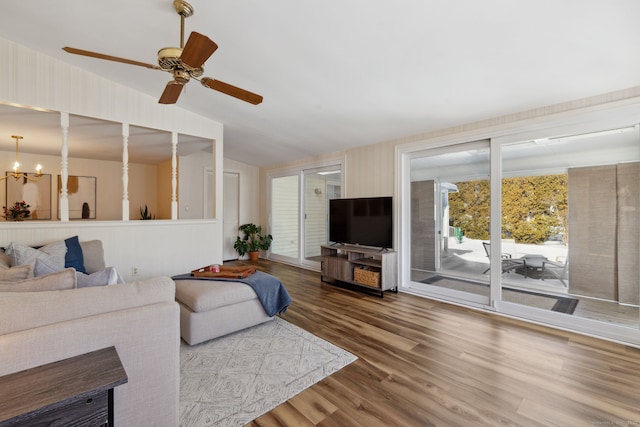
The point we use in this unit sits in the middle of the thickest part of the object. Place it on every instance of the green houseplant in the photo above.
(146, 214)
(252, 241)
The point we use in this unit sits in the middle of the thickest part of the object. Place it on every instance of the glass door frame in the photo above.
(271, 177)
(315, 265)
(300, 172)
(403, 226)
(578, 123)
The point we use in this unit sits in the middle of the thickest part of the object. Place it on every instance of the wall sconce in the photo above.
(16, 166)
(317, 191)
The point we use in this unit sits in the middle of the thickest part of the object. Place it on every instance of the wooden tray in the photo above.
(225, 272)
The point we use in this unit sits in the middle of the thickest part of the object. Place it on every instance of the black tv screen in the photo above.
(363, 221)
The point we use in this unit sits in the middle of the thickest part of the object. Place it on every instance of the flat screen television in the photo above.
(363, 221)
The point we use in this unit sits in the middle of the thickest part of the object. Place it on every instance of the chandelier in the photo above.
(16, 166)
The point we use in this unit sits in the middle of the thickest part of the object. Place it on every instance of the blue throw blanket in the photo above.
(271, 292)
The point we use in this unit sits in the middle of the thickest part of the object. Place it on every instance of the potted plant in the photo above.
(146, 214)
(252, 241)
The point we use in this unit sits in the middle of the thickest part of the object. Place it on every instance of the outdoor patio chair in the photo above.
(508, 263)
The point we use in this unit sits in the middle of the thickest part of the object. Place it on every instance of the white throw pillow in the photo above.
(52, 253)
(108, 276)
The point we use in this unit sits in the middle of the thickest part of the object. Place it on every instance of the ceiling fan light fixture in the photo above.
(181, 76)
(169, 58)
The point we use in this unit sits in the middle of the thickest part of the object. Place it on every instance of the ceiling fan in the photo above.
(184, 63)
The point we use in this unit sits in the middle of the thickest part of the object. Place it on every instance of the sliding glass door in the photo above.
(320, 186)
(449, 212)
(570, 209)
(299, 209)
(285, 214)
(560, 243)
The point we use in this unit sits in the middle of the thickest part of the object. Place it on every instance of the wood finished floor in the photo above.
(426, 363)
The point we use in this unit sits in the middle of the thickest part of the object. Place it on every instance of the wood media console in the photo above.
(368, 268)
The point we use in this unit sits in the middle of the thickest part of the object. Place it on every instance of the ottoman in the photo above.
(211, 308)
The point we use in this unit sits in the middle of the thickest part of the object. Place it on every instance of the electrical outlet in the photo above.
(134, 271)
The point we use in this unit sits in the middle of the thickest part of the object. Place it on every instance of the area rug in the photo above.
(234, 379)
(551, 302)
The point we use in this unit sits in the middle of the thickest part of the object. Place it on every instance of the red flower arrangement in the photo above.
(17, 212)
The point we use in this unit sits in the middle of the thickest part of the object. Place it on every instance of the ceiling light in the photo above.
(16, 167)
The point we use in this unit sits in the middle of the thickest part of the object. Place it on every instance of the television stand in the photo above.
(367, 268)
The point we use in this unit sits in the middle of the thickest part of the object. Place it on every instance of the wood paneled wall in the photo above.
(161, 247)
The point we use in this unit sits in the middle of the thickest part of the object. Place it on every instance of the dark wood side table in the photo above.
(72, 392)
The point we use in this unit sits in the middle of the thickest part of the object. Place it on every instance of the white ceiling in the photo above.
(339, 74)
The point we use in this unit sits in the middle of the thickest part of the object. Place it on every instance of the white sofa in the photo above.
(140, 319)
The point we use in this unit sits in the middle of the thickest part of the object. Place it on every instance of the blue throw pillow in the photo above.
(73, 257)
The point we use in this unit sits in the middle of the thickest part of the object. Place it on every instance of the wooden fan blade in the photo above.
(231, 90)
(108, 57)
(171, 93)
(197, 50)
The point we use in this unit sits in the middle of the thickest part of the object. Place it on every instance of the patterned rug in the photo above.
(234, 379)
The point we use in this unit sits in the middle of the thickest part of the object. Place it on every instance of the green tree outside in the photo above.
(533, 208)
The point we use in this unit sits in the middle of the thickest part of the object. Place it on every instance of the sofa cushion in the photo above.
(74, 257)
(108, 276)
(58, 281)
(205, 295)
(13, 274)
(93, 254)
(53, 253)
(20, 311)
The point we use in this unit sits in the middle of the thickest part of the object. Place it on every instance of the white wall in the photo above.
(154, 248)
(249, 190)
(66, 88)
(191, 184)
(370, 170)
